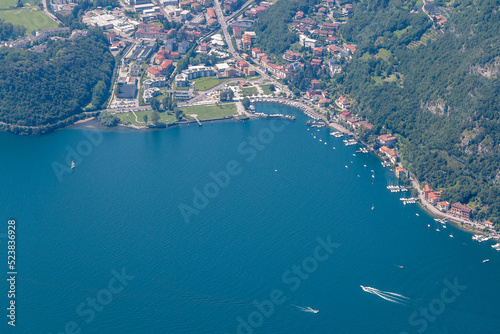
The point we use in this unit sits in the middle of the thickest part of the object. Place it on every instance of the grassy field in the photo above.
(130, 118)
(207, 112)
(31, 19)
(266, 89)
(207, 83)
(248, 91)
(7, 3)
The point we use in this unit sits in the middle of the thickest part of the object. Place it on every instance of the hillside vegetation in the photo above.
(447, 110)
(38, 89)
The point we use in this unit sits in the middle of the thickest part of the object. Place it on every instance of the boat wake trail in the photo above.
(389, 296)
(306, 309)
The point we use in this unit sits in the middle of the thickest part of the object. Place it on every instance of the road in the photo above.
(49, 14)
(229, 41)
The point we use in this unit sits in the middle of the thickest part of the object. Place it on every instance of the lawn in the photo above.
(266, 89)
(248, 91)
(211, 111)
(130, 118)
(207, 83)
(7, 3)
(31, 19)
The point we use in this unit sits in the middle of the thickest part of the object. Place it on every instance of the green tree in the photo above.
(107, 119)
(145, 118)
(99, 95)
(155, 104)
(246, 103)
(272, 88)
(178, 113)
(155, 117)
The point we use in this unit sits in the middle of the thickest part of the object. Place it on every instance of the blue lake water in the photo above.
(118, 246)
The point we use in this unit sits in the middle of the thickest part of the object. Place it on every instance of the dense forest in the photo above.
(438, 94)
(10, 31)
(42, 88)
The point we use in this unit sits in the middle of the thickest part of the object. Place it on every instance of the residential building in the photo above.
(461, 211)
(307, 42)
(400, 171)
(387, 140)
(343, 103)
(443, 206)
(389, 153)
(183, 47)
(291, 56)
(151, 83)
(317, 52)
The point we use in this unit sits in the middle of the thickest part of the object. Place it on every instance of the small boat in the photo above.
(346, 166)
(428, 225)
(72, 164)
(451, 236)
(373, 207)
(486, 260)
(438, 230)
(417, 214)
(364, 165)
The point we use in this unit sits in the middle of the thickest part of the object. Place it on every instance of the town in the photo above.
(198, 61)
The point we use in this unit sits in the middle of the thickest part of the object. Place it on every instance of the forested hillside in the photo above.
(438, 90)
(41, 88)
(272, 30)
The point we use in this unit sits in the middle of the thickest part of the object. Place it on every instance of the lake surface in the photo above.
(234, 227)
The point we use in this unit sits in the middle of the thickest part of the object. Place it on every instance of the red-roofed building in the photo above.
(315, 84)
(350, 47)
(399, 171)
(174, 55)
(246, 41)
(211, 13)
(387, 140)
(433, 197)
(204, 47)
(317, 52)
(389, 153)
(443, 206)
(365, 124)
(212, 22)
(299, 15)
(237, 32)
(323, 103)
(241, 64)
(461, 211)
(343, 103)
(316, 62)
(153, 72)
(331, 40)
(255, 52)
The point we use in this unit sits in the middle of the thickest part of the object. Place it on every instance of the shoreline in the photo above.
(306, 110)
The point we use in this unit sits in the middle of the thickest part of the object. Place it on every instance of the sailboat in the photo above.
(72, 164)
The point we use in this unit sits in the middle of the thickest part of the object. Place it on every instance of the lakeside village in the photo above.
(197, 61)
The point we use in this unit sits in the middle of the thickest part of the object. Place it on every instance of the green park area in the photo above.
(32, 19)
(248, 91)
(207, 83)
(129, 118)
(266, 89)
(211, 111)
